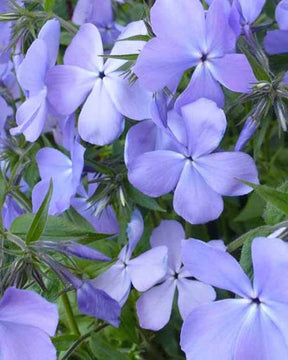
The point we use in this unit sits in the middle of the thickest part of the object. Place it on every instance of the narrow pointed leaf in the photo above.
(39, 222)
(277, 198)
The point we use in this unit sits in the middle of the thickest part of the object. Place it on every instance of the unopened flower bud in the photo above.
(247, 132)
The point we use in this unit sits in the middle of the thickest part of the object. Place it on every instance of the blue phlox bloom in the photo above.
(5, 111)
(26, 319)
(104, 222)
(107, 94)
(142, 272)
(97, 303)
(247, 132)
(8, 78)
(276, 41)
(243, 14)
(31, 73)
(198, 176)
(186, 37)
(254, 324)
(99, 13)
(155, 305)
(156, 133)
(10, 211)
(72, 248)
(65, 174)
(64, 131)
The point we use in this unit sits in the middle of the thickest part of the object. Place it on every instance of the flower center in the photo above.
(256, 301)
(204, 57)
(101, 74)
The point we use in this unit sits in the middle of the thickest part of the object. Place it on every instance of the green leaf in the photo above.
(63, 342)
(40, 218)
(277, 198)
(253, 209)
(272, 214)
(66, 38)
(136, 38)
(143, 200)
(260, 135)
(104, 351)
(3, 184)
(121, 57)
(246, 258)
(72, 216)
(56, 229)
(49, 5)
(258, 70)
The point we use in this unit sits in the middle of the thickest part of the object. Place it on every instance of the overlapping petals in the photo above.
(198, 176)
(253, 327)
(105, 92)
(142, 272)
(26, 318)
(276, 41)
(155, 305)
(207, 45)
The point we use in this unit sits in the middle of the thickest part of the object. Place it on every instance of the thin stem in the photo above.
(236, 244)
(66, 24)
(83, 338)
(188, 230)
(70, 316)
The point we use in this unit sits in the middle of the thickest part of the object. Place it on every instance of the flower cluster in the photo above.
(121, 163)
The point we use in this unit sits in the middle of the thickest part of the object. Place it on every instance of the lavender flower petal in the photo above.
(154, 306)
(203, 204)
(215, 267)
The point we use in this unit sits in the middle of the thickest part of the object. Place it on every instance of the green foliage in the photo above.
(274, 214)
(246, 258)
(39, 221)
(142, 200)
(49, 5)
(55, 228)
(243, 218)
(277, 198)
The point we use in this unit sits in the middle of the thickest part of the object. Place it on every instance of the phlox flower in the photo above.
(198, 175)
(64, 131)
(243, 14)
(31, 73)
(65, 174)
(8, 78)
(6, 31)
(72, 248)
(104, 222)
(5, 111)
(107, 94)
(247, 132)
(254, 324)
(155, 305)
(91, 300)
(142, 272)
(10, 211)
(186, 37)
(26, 322)
(276, 41)
(99, 13)
(97, 303)
(155, 133)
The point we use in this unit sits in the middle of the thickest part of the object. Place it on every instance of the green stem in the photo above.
(83, 338)
(236, 244)
(66, 24)
(70, 316)
(188, 230)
